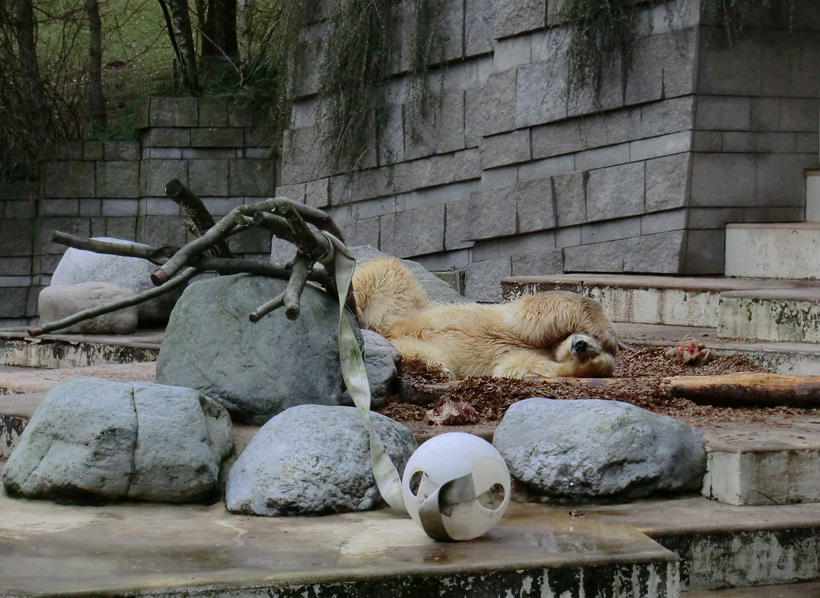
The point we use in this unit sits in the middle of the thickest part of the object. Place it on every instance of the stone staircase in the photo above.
(762, 526)
(770, 294)
(766, 308)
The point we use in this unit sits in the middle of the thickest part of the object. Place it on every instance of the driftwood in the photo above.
(747, 389)
(200, 219)
(209, 252)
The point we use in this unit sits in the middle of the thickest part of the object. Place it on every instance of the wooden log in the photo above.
(747, 389)
(200, 217)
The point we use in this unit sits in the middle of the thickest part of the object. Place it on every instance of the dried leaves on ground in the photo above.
(637, 379)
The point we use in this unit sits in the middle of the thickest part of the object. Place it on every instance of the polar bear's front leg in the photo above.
(522, 363)
(579, 355)
(423, 351)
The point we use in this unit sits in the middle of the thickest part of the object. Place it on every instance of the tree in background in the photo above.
(96, 96)
(219, 39)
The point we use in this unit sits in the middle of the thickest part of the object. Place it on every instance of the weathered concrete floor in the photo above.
(54, 550)
(57, 550)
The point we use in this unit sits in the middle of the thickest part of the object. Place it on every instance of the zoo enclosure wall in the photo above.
(509, 175)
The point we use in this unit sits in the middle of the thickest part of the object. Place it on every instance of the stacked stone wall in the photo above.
(509, 173)
(756, 126)
(514, 174)
(116, 189)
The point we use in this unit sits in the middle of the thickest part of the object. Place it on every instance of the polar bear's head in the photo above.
(590, 357)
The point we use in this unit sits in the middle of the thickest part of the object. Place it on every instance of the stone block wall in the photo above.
(515, 174)
(756, 126)
(18, 232)
(116, 189)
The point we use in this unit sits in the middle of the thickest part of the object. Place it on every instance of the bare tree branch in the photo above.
(93, 312)
(200, 217)
(176, 266)
(159, 255)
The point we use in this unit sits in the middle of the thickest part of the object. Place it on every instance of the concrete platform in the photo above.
(77, 350)
(159, 550)
(651, 549)
(773, 250)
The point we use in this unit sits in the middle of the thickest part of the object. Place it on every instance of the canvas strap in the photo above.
(355, 377)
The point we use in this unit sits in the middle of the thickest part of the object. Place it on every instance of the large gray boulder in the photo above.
(255, 370)
(96, 439)
(381, 361)
(311, 460)
(131, 273)
(61, 301)
(591, 449)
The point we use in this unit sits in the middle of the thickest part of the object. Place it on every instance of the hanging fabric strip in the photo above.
(355, 377)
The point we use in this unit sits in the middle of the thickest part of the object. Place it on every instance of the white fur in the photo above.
(535, 335)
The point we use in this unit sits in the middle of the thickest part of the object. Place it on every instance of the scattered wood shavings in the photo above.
(639, 380)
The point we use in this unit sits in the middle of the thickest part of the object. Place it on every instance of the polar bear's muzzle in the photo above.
(584, 347)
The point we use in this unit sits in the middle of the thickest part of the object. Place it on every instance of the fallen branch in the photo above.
(747, 389)
(200, 218)
(93, 312)
(155, 255)
(311, 245)
(209, 252)
(292, 295)
(160, 255)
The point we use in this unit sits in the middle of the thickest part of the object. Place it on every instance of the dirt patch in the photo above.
(637, 379)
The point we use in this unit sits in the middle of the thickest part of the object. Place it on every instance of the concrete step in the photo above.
(77, 350)
(190, 550)
(650, 548)
(742, 308)
(775, 462)
(784, 315)
(777, 250)
(723, 546)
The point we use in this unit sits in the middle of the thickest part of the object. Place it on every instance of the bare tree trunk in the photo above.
(243, 9)
(219, 30)
(96, 98)
(176, 12)
(29, 65)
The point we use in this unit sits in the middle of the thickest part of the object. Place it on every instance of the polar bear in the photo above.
(545, 335)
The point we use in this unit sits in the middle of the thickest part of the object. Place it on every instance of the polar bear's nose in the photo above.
(580, 346)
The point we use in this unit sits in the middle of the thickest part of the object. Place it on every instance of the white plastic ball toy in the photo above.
(453, 484)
